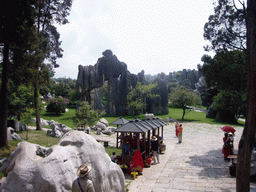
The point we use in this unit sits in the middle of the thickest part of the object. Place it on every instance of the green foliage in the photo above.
(226, 28)
(137, 97)
(183, 98)
(19, 100)
(84, 115)
(56, 105)
(104, 91)
(226, 71)
(73, 97)
(231, 101)
(26, 116)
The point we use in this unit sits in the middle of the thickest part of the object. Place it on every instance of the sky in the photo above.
(151, 35)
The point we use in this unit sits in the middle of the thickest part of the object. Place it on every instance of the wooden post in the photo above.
(116, 139)
(163, 133)
(138, 141)
(122, 144)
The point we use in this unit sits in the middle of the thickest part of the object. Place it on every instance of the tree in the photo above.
(228, 104)
(13, 24)
(226, 71)
(137, 96)
(48, 12)
(248, 137)
(226, 28)
(84, 115)
(183, 98)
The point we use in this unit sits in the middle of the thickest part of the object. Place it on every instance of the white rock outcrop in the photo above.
(28, 169)
(57, 129)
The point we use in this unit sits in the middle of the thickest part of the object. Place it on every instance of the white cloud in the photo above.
(151, 35)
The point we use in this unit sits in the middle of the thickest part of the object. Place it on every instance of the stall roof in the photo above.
(120, 121)
(132, 127)
(141, 126)
(146, 125)
(160, 121)
(149, 123)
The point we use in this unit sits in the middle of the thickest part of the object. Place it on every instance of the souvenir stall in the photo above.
(120, 121)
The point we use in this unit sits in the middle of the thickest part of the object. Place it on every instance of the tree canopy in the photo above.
(226, 71)
(226, 28)
(183, 98)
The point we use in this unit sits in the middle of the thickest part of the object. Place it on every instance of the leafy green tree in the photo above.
(137, 96)
(184, 98)
(226, 71)
(229, 105)
(74, 97)
(84, 115)
(20, 100)
(46, 14)
(226, 28)
(13, 24)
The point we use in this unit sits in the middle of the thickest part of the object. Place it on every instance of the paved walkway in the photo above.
(196, 164)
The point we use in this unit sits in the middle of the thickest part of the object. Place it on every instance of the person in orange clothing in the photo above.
(180, 128)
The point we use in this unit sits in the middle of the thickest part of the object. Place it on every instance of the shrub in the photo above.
(56, 105)
(84, 115)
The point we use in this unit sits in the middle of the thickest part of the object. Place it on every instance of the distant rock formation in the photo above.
(109, 68)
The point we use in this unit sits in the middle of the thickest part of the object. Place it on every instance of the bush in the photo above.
(85, 115)
(57, 105)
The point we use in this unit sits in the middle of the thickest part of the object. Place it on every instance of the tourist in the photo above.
(155, 149)
(231, 136)
(83, 183)
(180, 129)
(113, 157)
(226, 149)
(177, 128)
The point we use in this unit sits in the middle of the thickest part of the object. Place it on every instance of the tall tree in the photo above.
(48, 13)
(248, 136)
(12, 26)
(226, 28)
(182, 97)
(226, 71)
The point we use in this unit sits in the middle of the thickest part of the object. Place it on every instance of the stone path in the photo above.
(196, 164)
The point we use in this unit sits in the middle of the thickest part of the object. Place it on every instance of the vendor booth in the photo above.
(136, 139)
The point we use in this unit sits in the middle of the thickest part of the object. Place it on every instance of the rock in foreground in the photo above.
(28, 169)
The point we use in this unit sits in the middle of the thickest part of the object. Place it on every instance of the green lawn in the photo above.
(64, 118)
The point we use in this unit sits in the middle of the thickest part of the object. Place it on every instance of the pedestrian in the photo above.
(226, 149)
(83, 183)
(177, 128)
(155, 148)
(113, 157)
(231, 136)
(180, 129)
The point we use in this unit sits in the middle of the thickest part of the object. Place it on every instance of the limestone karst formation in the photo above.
(110, 70)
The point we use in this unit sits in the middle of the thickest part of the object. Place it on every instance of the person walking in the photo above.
(155, 148)
(226, 149)
(180, 129)
(83, 183)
